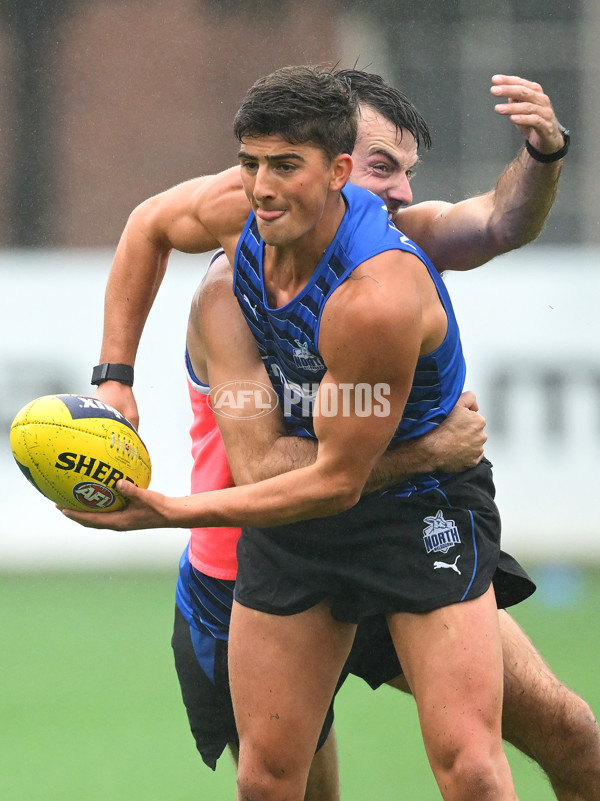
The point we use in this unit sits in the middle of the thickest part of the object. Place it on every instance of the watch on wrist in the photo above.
(123, 373)
(548, 158)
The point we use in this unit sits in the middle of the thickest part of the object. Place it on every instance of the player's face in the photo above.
(289, 187)
(384, 159)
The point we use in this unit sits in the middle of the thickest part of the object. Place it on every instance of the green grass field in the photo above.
(90, 706)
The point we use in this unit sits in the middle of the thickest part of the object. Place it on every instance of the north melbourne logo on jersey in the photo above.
(305, 359)
(440, 534)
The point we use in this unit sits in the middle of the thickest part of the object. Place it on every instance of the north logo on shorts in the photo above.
(440, 534)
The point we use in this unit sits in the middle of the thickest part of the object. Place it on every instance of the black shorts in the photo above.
(208, 703)
(387, 554)
(373, 656)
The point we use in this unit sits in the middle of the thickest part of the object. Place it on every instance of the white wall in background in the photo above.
(531, 333)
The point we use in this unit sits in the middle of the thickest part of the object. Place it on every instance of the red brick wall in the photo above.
(148, 91)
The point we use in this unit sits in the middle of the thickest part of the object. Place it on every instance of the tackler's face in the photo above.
(288, 186)
(384, 159)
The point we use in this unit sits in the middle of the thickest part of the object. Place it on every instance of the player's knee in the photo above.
(258, 786)
(266, 787)
(575, 732)
(582, 720)
(474, 776)
(569, 751)
(251, 790)
(268, 780)
(469, 772)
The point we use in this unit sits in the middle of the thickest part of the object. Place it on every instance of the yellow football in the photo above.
(74, 449)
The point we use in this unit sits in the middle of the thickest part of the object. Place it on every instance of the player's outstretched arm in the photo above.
(465, 235)
(194, 217)
(456, 445)
(351, 336)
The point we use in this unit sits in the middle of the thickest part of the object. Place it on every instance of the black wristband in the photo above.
(123, 373)
(548, 158)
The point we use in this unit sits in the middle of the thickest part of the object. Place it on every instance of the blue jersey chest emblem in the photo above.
(306, 360)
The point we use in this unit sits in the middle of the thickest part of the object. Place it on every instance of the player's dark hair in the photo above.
(371, 90)
(301, 104)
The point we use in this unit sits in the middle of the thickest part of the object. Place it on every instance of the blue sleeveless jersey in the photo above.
(288, 337)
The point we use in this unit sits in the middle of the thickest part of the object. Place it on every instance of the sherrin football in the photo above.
(74, 449)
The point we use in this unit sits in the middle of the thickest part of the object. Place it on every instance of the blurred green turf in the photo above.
(90, 705)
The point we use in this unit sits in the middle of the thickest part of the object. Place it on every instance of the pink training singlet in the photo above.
(212, 550)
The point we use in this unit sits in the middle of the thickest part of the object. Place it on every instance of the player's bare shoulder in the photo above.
(220, 204)
(390, 271)
(377, 291)
(196, 216)
(213, 194)
(217, 280)
(216, 286)
(385, 299)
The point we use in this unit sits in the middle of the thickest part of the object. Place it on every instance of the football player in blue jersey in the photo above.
(386, 162)
(296, 130)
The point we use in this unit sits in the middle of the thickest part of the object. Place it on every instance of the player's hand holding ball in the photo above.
(75, 449)
(144, 509)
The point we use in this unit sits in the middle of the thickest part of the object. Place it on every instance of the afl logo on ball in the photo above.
(96, 496)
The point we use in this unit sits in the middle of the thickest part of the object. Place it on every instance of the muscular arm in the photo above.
(465, 235)
(194, 217)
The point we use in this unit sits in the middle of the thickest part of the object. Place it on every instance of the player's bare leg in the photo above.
(283, 673)
(323, 782)
(452, 659)
(548, 721)
(544, 719)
